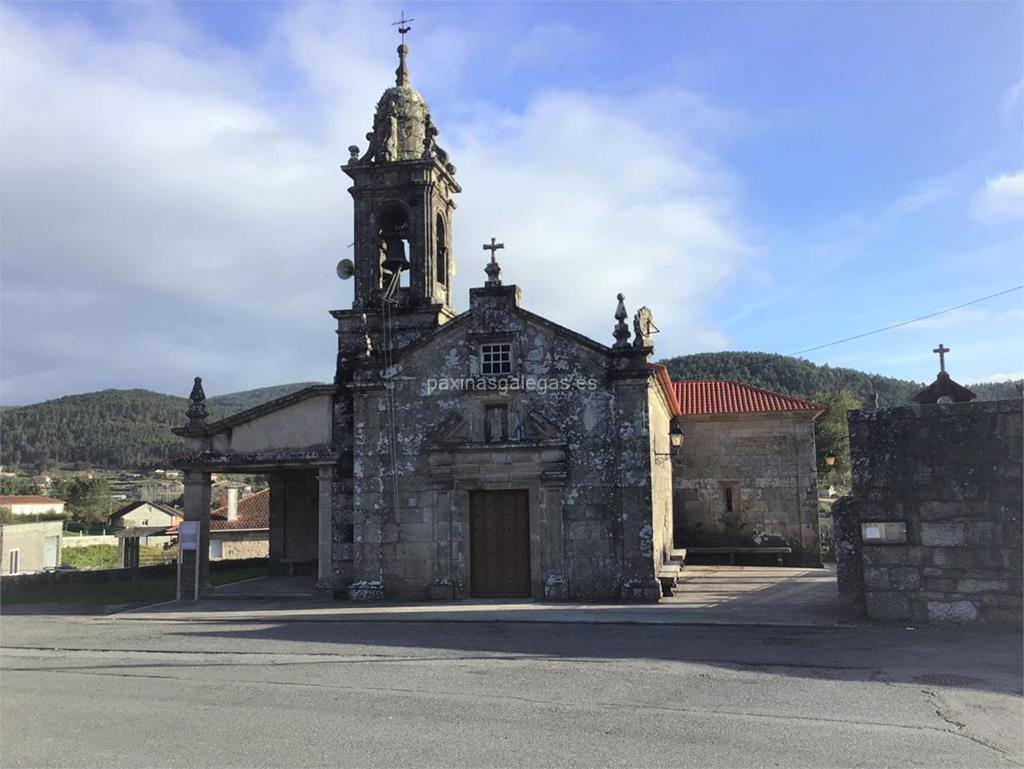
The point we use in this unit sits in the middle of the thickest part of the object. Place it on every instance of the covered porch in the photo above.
(289, 441)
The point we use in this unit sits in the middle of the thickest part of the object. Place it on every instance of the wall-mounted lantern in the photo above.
(830, 459)
(676, 435)
(675, 442)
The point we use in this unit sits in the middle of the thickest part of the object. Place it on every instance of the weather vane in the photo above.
(403, 25)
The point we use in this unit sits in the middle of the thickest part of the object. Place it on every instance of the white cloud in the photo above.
(1013, 101)
(1001, 197)
(924, 195)
(172, 207)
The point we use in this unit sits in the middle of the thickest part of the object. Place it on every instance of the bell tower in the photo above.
(402, 191)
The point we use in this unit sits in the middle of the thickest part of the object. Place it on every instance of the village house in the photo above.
(141, 513)
(30, 547)
(32, 504)
(241, 528)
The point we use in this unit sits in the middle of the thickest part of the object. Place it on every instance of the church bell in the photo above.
(395, 259)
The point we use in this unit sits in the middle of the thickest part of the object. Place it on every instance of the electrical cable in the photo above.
(908, 322)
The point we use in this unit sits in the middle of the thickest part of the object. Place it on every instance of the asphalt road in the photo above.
(110, 692)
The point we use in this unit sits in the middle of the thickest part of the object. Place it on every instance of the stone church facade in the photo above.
(488, 453)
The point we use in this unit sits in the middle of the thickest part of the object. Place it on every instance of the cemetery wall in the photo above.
(932, 531)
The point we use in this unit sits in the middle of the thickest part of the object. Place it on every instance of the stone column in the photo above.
(278, 489)
(197, 508)
(639, 567)
(325, 532)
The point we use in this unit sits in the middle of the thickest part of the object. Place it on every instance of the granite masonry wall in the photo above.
(583, 454)
(932, 531)
(767, 462)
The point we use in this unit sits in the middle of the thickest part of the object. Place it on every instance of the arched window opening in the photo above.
(393, 231)
(442, 252)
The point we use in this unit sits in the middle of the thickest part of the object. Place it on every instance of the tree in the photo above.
(832, 434)
(18, 486)
(89, 499)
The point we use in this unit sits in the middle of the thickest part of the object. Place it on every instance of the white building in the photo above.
(32, 504)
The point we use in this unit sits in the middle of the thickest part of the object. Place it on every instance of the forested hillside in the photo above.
(794, 376)
(110, 428)
(131, 428)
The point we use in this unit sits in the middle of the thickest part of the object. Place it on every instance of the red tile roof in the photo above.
(698, 397)
(29, 499)
(253, 513)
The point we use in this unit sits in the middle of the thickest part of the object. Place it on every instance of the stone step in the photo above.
(669, 571)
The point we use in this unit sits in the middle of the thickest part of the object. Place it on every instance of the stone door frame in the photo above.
(539, 470)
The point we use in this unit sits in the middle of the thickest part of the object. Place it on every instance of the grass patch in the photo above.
(142, 591)
(108, 557)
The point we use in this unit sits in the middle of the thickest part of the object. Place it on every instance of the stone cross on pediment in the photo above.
(493, 269)
(941, 350)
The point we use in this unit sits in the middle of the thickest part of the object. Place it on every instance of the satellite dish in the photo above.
(346, 269)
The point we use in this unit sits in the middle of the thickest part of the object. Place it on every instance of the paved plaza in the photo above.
(695, 681)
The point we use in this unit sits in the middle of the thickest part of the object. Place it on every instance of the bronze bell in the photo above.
(395, 259)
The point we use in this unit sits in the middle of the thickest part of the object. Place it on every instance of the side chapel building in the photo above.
(488, 453)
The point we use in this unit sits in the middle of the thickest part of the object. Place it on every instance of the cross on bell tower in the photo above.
(403, 25)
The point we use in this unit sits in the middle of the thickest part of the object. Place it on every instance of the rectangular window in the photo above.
(15, 557)
(216, 548)
(731, 497)
(496, 423)
(496, 358)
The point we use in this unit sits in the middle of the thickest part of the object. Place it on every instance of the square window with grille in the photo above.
(496, 358)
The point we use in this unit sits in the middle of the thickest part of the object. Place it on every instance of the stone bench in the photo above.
(778, 552)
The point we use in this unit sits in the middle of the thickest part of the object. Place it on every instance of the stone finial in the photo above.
(621, 332)
(402, 73)
(429, 137)
(644, 328)
(353, 153)
(493, 270)
(197, 413)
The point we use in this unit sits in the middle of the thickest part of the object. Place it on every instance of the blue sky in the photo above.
(765, 176)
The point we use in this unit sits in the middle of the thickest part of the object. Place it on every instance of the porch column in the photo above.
(325, 525)
(278, 490)
(197, 508)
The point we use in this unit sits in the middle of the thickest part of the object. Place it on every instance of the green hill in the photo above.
(801, 378)
(131, 428)
(111, 428)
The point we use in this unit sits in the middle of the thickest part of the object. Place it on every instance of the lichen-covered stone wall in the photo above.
(951, 474)
(582, 453)
(768, 461)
